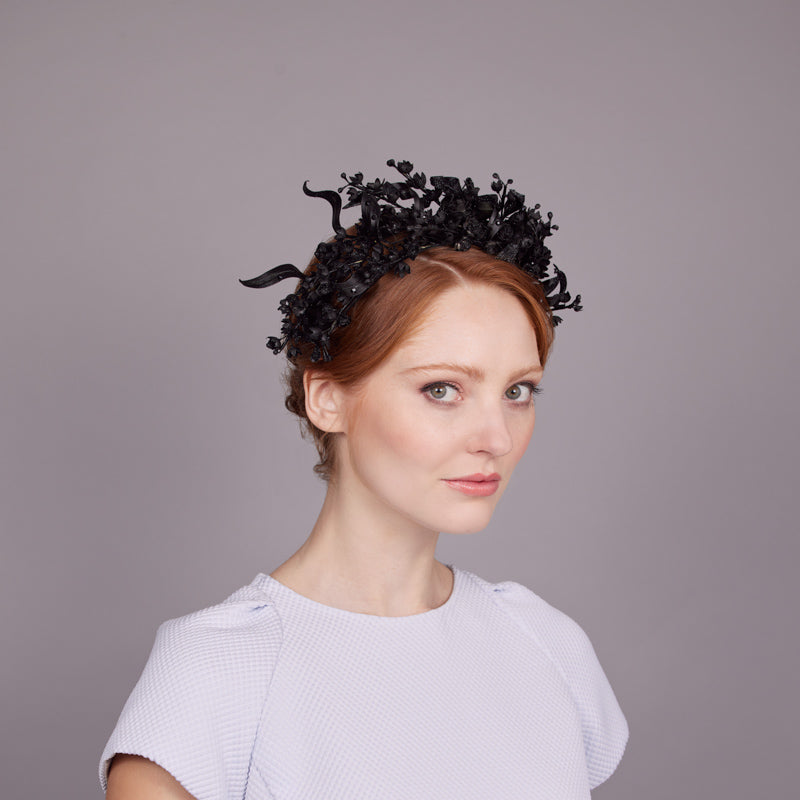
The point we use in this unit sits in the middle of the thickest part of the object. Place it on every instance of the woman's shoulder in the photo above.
(249, 614)
(534, 615)
(201, 692)
(605, 728)
(556, 633)
(239, 635)
(222, 651)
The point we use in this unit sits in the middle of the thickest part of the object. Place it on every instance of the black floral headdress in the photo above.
(398, 221)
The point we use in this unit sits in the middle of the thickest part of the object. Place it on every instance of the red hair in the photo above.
(393, 309)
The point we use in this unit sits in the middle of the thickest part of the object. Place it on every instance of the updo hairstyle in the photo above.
(391, 311)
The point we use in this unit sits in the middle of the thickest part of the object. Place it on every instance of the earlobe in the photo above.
(325, 406)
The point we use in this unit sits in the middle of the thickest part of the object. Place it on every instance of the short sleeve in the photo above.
(196, 707)
(604, 727)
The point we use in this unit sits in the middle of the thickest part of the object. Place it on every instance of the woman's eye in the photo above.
(522, 392)
(441, 391)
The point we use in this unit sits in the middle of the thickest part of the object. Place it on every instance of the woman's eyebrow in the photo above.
(474, 372)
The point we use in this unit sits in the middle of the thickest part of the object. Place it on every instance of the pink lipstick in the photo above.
(477, 485)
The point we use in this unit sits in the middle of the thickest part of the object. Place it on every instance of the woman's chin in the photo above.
(476, 524)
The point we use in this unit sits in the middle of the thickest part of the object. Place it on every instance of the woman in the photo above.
(362, 667)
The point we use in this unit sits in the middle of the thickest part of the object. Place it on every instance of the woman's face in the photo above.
(433, 434)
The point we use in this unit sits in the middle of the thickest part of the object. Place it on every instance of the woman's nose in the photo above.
(491, 433)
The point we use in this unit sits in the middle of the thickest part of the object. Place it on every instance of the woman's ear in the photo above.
(325, 402)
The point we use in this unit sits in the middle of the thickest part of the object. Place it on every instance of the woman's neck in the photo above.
(367, 560)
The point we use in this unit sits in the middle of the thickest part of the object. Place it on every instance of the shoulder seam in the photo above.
(250, 764)
(530, 633)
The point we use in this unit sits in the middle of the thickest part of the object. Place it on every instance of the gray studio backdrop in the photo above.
(152, 153)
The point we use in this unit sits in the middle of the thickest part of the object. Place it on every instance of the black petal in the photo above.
(272, 276)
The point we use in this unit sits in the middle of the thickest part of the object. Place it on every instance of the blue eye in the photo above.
(522, 392)
(441, 392)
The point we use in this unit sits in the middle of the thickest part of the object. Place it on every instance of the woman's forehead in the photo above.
(473, 323)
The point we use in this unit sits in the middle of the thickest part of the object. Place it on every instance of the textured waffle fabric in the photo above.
(495, 694)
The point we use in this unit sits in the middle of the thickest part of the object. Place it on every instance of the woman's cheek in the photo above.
(523, 439)
(409, 434)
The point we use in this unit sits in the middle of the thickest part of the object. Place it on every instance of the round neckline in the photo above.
(314, 605)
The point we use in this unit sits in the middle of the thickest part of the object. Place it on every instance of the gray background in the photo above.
(152, 153)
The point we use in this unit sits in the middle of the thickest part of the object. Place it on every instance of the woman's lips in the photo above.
(475, 485)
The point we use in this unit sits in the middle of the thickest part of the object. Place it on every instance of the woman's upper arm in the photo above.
(137, 778)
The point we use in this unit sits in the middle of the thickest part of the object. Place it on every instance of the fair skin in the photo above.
(427, 444)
